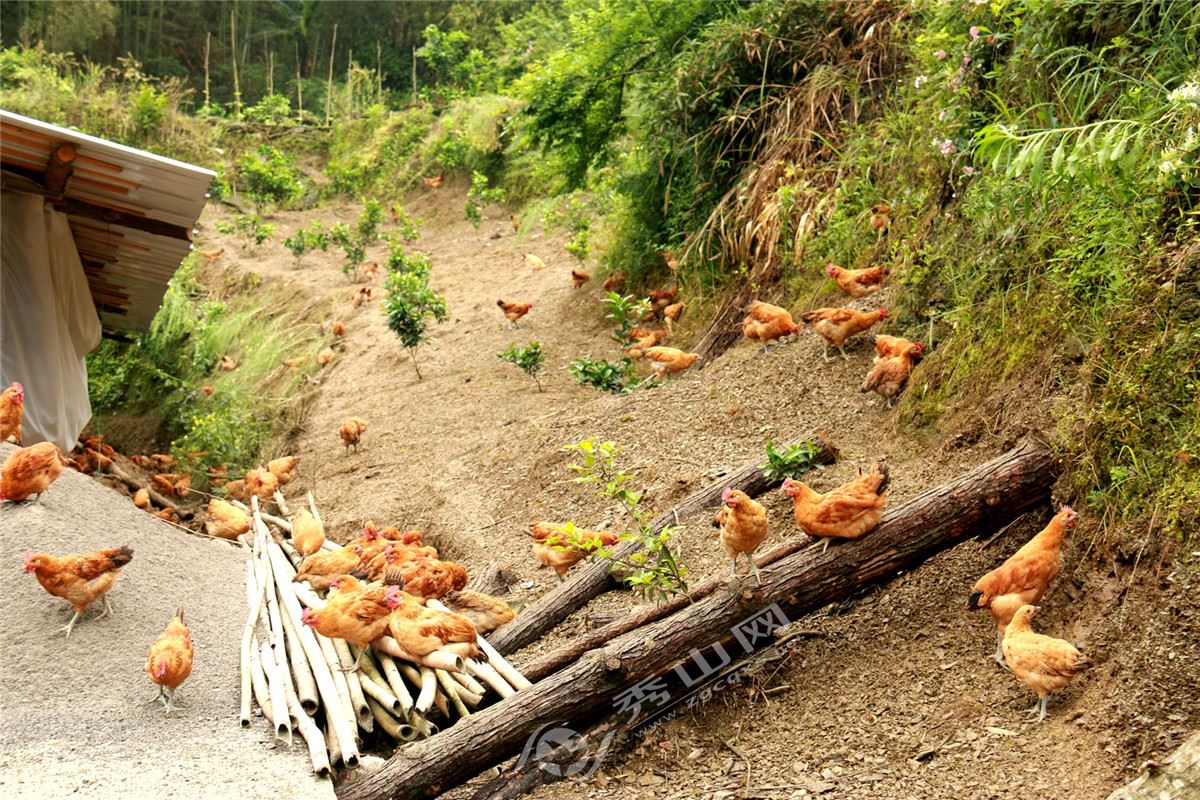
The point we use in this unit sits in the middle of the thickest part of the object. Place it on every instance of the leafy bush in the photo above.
(313, 237)
(406, 225)
(409, 302)
(479, 196)
(607, 376)
(272, 109)
(791, 462)
(250, 227)
(625, 312)
(529, 359)
(269, 175)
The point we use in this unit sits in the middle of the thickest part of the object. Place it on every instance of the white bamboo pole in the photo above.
(359, 704)
(428, 683)
(258, 679)
(305, 594)
(312, 736)
(279, 711)
(470, 684)
(336, 713)
(339, 679)
(451, 689)
(312, 506)
(394, 728)
(396, 683)
(288, 550)
(487, 674)
(255, 588)
(381, 694)
(306, 685)
(497, 661)
(438, 659)
(283, 506)
(331, 743)
(441, 704)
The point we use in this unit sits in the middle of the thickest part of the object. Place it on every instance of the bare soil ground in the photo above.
(79, 715)
(895, 696)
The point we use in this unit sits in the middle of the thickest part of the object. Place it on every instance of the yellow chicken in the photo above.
(743, 524)
(669, 360)
(847, 512)
(1043, 663)
(225, 520)
(169, 661)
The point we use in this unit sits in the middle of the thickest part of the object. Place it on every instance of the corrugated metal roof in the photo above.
(132, 212)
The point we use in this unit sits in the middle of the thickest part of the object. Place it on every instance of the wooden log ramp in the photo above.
(980, 501)
(594, 579)
(304, 683)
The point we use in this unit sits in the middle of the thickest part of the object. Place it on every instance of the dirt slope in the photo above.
(472, 455)
(78, 719)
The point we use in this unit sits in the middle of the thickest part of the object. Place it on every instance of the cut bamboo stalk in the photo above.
(423, 726)
(336, 714)
(427, 687)
(258, 680)
(514, 678)
(279, 711)
(346, 660)
(247, 643)
(339, 680)
(281, 503)
(381, 694)
(305, 594)
(313, 737)
(274, 621)
(331, 744)
(312, 507)
(306, 685)
(441, 704)
(288, 550)
(278, 522)
(470, 684)
(400, 731)
(451, 689)
(488, 675)
(438, 659)
(396, 683)
(367, 669)
(467, 696)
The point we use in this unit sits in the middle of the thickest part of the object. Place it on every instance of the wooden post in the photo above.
(378, 72)
(59, 167)
(412, 100)
(207, 50)
(329, 83)
(237, 90)
(299, 87)
(982, 500)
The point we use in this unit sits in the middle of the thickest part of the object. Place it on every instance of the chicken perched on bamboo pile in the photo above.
(283, 468)
(426, 577)
(848, 512)
(225, 520)
(321, 568)
(1042, 663)
(562, 545)
(420, 631)
(743, 524)
(169, 660)
(308, 534)
(836, 325)
(487, 613)
(30, 471)
(80, 578)
(356, 612)
(262, 483)
(1023, 578)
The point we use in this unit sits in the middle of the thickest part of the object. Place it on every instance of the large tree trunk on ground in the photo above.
(981, 500)
(1177, 776)
(593, 579)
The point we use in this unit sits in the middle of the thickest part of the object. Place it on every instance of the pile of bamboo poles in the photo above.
(292, 672)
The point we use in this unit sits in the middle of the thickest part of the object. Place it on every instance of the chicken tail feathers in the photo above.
(973, 603)
(123, 556)
(885, 477)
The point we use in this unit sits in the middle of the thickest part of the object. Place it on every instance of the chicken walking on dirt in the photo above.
(1022, 579)
(1042, 662)
(743, 524)
(836, 325)
(169, 661)
(888, 375)
(768, 323)
(857, 282)
(848, 512)
(351, 432)
(79, 578)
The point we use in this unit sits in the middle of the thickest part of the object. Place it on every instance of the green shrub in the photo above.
(791, 462)
(479, 196)
(529, 359)
(409, 302)
(272, 109)
(269, 175)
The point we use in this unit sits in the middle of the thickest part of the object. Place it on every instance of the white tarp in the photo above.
(48, 322)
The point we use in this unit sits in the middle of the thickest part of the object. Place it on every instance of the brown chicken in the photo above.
(887, 346)
(228, 363)
(360, 296)
(283, 468)
(888, 375)
(295, 363)
(426, 577)
(262, 483)
(212, 255)
(324, 357)
(767, 323)
(237, 489)
(880, 219)
(141, 498)
(579, 278)
(30, 471)
(165, 483)
(857, 282)
(307, 533)
(847, 512)
(12, 408)
(337, 328)
(167, 515)
(370, 271)
(161, 462)
(743, 524)
(351, 432)
(836, 325)
(669, 360)
(1043, 663)
(169, 661)
(420, 630)
(435, 182)
(668, 257)
(382, 565)
(321, 568)
(555, 544)
(671, 315)
(486, 613)
(225, 521)
(614, 282)
(356, 612)
(80, 578)
(1022, 579)
(514, 311)
(643, 340)
(661, 298)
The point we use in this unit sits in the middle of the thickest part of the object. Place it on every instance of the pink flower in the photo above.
(941, 55)
(941, 115)
(974, 31)
(946, 146)
(966, 60)
(968, 170)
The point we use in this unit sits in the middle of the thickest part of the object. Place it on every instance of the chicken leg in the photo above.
(353, 667)
(70, 626)
(1039, 708)
(843, 352)
(999, 654)
(828, 357)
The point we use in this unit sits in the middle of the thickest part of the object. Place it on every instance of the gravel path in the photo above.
(79, 721)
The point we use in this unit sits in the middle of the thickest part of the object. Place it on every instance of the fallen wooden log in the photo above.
(1176, 776)
(593, 579)
(623, 672)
